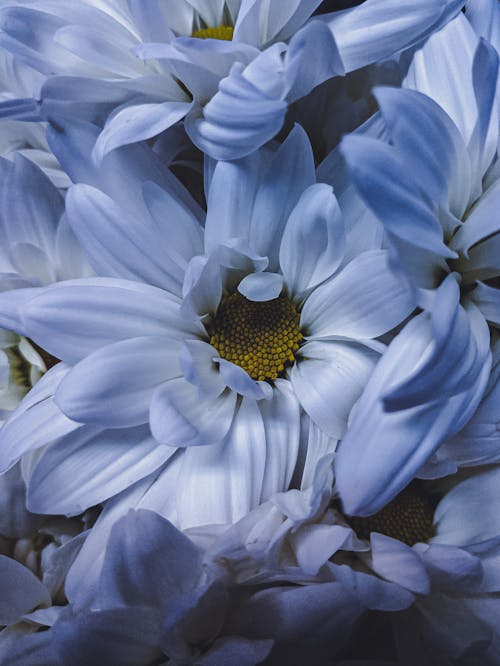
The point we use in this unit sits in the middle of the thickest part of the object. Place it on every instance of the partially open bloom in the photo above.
(229, 67)
(434, 187)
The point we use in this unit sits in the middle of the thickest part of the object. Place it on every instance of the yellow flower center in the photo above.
(260, 337)
(408, 518)
(220, 32)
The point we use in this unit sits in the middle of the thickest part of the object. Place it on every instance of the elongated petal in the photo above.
(313, 241)
(281, 418)
(329, 381)
(87, 467)
(290, 171)
(117, 244)
(37, 421)
(442, 69)
(134, 568)
(431, 144)
(468, 514)
(312, 58)
(114, 386)
(136, 123)
(397, 562)
(382, 450)
(180, 416)
(223, 482)
(363, 301)
(20, 591)
(383, 181)
(108, 310)
(377, 29)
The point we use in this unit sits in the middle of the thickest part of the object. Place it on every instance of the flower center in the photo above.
(260, 337)
(408, 518)
(220, 32)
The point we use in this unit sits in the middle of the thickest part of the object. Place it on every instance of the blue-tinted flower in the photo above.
(219, 338)
(433, 187)
(230, 68)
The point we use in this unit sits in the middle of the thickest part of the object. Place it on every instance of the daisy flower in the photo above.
(229, 67)
(220, 337)
(434, 186)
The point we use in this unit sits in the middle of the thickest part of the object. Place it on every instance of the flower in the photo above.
(231, 68)
(219, 338)
(426, 561)
(442, 234)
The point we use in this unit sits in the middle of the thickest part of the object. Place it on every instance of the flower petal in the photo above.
(114, 385)
(313, 241)
(87, 467)
(221, 483)
(365, 300)
(329, 381)
(180, 416)
(136, 123)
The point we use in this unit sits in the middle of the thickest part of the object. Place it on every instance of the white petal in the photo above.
(136, 123)
(223, 482)
(181, 416)
(20, 591)
(113, 386)
(261, 286)
(85, 468)
(328, 381)
(313, 241)
(363, 301)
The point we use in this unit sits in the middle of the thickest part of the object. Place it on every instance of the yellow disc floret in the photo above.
(408, 518)
(220, 32)
(260, 337)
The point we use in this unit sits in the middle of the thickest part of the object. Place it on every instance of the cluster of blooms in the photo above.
(249, 349)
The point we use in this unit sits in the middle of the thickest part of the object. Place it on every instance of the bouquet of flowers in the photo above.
(249, 350)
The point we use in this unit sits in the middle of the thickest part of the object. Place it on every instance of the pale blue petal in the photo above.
(246, 112)
(136, 123)
(328, 379)
(290, 171)
(240, 381)
(313, 241)
(223, 482)
(388, 188)
(377, 29)
(312, 58)
(469, 514)
(114, 385)
(382, 449)
(261, 286)
(431, 143)
(365, 300)
(37, 420)
(181, 416)
(395, 561)
(108, 310)
(20, 591)
(87, 467)
(134, 568)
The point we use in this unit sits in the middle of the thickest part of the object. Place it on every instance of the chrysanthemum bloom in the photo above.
(35, 555)
(240, 343)
(157, 601)
(427, 565)
(434, 187)
(230, 67)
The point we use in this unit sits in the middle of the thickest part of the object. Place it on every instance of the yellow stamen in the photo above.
(224, 32)
(408, 518)
(260, 337)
